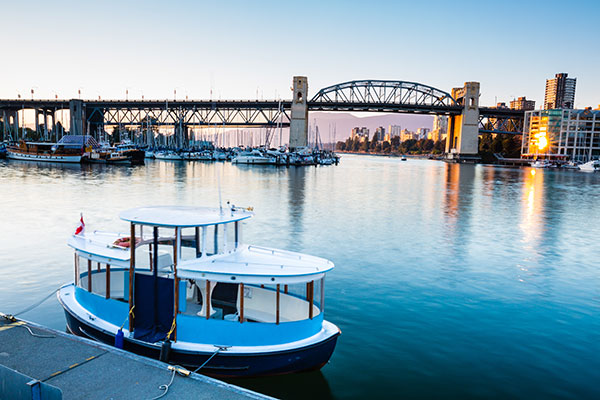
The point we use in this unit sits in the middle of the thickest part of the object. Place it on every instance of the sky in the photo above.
(252, 49)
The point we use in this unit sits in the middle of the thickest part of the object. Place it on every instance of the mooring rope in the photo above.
(210, 358)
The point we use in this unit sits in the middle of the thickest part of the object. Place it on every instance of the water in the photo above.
(453, 281)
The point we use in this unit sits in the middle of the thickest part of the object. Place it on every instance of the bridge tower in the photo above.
(299, 115)
(462, 142)
(76, 110)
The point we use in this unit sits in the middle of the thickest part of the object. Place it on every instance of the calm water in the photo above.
(451, 281)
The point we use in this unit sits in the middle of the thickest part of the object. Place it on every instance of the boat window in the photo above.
(101, 279)
(215, 239)
(263, 303)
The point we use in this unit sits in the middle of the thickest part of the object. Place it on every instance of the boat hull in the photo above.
(222, 365)
(43, 157)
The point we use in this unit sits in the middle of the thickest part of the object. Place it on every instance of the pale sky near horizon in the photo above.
(240, 49)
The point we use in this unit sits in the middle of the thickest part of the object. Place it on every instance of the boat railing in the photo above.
(275, 252)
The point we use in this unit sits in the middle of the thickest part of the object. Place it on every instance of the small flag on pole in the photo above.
(80, 227)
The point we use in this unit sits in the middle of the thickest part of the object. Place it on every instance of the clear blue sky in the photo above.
(237, 48)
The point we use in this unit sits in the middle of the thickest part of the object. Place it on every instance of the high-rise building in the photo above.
(394, 130)
(362, 133)
(422, 133)
(522, 104)
(560, 92)
(440, 124)
(406, 135)
(567, 133)
(380, 133)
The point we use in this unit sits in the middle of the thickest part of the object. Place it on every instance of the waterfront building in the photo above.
(568, 133)
(406, 135)
(394, 131)
(361, 133)
(380, 133)
(440, 128)
(422, 133)
(522, 104)
(560, 92)
(501, 105)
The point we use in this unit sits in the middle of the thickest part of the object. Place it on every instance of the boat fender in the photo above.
(119, 339)
(165, 351)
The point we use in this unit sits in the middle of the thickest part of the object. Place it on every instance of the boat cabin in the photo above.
(183, 274)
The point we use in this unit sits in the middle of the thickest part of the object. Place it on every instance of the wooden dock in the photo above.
(41, 363)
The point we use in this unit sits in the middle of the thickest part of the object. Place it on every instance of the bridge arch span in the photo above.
(399, 93)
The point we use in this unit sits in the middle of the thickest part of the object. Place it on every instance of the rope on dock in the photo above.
(174, 369)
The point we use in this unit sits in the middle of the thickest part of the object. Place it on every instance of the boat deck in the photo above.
(83, 369)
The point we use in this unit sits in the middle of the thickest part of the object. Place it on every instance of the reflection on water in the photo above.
(451, 280)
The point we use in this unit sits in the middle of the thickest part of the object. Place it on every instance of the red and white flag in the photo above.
(80, 227)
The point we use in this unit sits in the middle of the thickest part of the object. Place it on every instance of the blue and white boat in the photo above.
(189, 292)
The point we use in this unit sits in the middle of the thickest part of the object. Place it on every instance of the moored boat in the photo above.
(182, 287)
(69, 149)
(590, 166)
(253, 157)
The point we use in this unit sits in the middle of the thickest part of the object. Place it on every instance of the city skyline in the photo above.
(242, 51)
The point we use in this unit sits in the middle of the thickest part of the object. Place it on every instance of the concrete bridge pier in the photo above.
(462, 142)
(299, 114)
(76, 110)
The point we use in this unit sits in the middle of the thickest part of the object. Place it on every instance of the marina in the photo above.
(285, 200)
(480, 249)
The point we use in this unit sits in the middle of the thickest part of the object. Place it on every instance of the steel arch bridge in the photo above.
(359, 95)
(382, 95)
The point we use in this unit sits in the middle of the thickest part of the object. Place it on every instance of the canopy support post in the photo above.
(237, 233)
(309, 297)
(204, 232)
(131, 275)
(241, 303)
(89, 275)
(207, 299)
(176, 252)
(108, 281)
(76, 269)
(277, 307)
(216, 239)
(197, 237)
(322, 294)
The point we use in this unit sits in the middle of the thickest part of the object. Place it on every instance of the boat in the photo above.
(590, 166)
(219, 155)
(2, 151)
(403, 158)
(253, 157)
(69, 149)
(182, 287)
(167, 155)
(149, 154)
(541, 164)
(128, 149)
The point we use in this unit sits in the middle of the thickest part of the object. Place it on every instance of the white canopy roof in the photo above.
(99, 246)
(252, 264)
(182, 216)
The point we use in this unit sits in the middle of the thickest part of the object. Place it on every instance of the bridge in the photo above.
(466, 118)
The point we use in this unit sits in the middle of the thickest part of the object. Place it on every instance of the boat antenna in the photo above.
(219, 187)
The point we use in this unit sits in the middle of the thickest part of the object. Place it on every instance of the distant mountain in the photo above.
(344, 122)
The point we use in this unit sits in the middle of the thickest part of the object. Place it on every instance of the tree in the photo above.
(364, 146)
